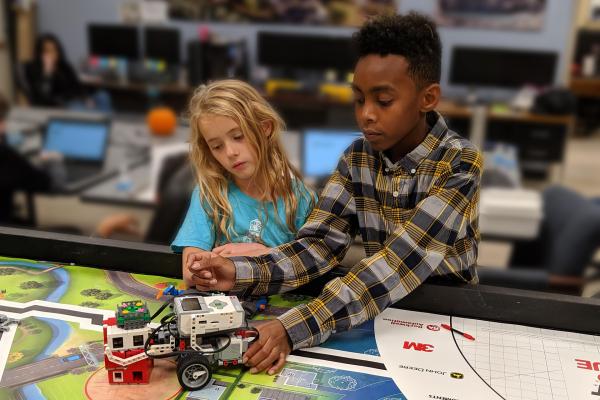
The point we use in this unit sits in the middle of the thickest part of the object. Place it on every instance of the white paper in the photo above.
(504, 361)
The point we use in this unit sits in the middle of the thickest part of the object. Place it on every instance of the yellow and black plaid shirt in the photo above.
(417, 218)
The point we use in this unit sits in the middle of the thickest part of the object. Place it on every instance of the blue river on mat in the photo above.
(60, 329)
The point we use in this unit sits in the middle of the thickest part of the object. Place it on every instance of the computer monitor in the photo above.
(162, 44)
(322, 148)
(296, 51)
(81, 140)
(502, 68)
(113, 41)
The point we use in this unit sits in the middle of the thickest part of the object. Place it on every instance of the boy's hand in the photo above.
(241, 249)
(211, 272)
(270, 350)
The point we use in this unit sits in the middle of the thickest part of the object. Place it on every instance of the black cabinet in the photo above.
(536, 141)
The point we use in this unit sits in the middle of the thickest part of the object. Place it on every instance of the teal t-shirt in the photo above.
(249, 221)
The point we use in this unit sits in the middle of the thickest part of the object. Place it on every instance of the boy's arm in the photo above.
(408, 257)
(319, 246)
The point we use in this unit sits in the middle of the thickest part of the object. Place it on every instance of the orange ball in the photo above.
(161, 121)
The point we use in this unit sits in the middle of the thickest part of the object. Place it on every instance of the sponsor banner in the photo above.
(581, 370)
(424, 360)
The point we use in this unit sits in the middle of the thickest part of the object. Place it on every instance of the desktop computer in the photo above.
(112, 50)
(162, 43)
(209, 61)
(309, 52)
(119, 41)
(502, 68)
(162, 57)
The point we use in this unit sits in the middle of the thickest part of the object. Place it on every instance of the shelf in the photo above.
(585, 87)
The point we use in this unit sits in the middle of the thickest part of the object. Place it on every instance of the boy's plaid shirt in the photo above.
(417, 218)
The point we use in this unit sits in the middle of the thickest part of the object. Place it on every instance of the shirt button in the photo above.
(396, 193)
(413, 171)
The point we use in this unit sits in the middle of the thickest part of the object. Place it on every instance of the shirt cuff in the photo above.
(302, 327)
(247, 276)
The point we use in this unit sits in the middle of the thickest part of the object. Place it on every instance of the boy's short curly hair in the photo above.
(412, 36)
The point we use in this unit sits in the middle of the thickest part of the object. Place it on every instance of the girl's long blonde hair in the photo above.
(243, 104)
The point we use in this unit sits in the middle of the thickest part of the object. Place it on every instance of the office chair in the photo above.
(569, 237)
(22, 83)
(175, 185)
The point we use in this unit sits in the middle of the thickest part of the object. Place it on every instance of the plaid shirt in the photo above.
(417, 218)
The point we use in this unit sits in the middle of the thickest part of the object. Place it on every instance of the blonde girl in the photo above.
(249, 197)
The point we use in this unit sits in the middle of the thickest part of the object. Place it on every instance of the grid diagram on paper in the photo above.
(520, 362)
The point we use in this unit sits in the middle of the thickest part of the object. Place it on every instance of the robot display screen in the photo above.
(190, 304)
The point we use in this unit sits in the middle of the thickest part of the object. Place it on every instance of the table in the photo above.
(139, 192)
(57, 348)
(130, 146)
(134, 194)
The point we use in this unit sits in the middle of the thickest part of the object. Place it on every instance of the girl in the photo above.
(249, 197)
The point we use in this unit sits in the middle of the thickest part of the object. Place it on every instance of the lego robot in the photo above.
(202, 332)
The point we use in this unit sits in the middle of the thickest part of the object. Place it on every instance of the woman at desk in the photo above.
(49, 79)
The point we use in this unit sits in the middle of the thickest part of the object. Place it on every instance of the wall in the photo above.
(68, 19)
(583, 16)
(6, 87)
(554, 36)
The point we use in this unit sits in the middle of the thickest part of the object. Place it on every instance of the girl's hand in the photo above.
(211, 272)
(241, 249)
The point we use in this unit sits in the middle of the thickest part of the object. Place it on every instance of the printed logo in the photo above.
(255, 228)
(427, 348)
(456, 375)
(434, 328)
(408, 324)
(585, 364)
(253, 234)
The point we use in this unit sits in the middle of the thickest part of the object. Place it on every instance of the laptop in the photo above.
(321, 151)
(83, 144)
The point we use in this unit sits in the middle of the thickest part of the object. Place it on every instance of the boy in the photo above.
(410, 188)
(16, 173)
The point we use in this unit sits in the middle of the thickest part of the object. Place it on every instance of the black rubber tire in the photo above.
(187, 365)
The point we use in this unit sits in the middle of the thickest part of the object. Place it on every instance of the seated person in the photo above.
(16, 174)
(410, 188)
(569, 238)
(249, 197)
(51, 80)
(175, 185)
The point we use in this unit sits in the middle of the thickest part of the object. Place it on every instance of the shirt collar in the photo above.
(410, 161)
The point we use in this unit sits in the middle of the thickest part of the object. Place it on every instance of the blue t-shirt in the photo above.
(249, 221)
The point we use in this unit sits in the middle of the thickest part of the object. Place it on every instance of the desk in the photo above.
(136, 195)
(74, 300)
(129, 146)
(140, 195)
(134, 97)
(585, 87)
(541, 139)
(129, 141)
